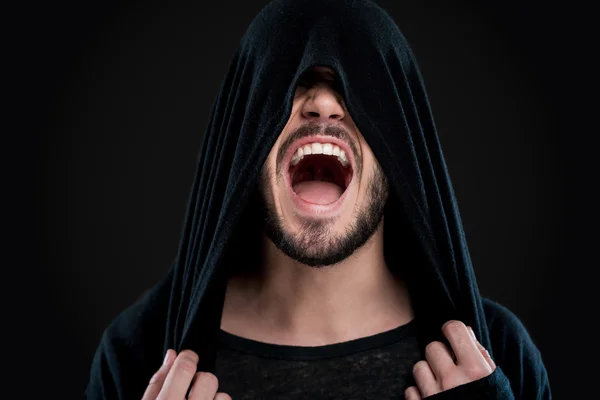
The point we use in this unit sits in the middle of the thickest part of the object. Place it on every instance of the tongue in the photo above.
(318, 192)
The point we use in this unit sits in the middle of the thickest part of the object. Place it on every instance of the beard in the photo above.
(315, 244)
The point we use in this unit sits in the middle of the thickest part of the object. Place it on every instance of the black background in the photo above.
(106, 104)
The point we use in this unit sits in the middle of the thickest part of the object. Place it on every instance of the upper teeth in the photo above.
(320, 148)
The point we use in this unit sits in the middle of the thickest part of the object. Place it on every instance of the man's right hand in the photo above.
(174, 378)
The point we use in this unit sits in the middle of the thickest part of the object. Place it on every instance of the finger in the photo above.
(463, 344)
(439, 358)
(412, 393)
(204, 387)
(425, 379)
(484, 352)
(180, 376)
(222, 396)
(157, 380)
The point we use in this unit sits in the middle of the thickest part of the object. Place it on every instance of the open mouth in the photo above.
(319, 173)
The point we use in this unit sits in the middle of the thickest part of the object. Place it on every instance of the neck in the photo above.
(291, 303)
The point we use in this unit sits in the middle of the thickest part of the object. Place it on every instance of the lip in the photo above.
(306, 208)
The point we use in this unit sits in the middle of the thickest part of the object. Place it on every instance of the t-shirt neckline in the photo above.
(289, 352)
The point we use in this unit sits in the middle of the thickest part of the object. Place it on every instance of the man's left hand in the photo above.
(441, 371)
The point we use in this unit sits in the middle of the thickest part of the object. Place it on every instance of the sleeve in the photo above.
(520, 373)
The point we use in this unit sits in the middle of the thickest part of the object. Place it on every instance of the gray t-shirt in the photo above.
(372, 367)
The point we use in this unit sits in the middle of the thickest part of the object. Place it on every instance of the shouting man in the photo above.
(323, 254)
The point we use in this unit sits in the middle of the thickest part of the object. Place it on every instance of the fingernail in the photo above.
(166, 358)
(472, 333)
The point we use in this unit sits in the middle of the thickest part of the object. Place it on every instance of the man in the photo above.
(323, 254)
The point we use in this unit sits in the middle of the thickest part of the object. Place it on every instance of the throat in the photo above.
(319, 179)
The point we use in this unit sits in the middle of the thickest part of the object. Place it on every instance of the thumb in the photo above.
(484, 352)
(158, 379)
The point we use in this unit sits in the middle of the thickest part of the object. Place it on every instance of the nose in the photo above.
(322, 104)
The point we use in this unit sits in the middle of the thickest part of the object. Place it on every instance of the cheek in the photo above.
(267, 181)
(367, 158)
(269, 165)
(369, 166)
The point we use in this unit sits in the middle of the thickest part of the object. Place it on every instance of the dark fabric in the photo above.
(374, 367)
(424, 238)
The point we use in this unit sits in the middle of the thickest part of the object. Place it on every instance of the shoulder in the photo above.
(508, 335)
(130, 349)
(503, 323)
(515, 352)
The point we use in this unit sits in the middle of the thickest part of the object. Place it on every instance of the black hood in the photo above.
(424, 240)
(385, 95)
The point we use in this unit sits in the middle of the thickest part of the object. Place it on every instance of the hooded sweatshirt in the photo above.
(424, 240)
